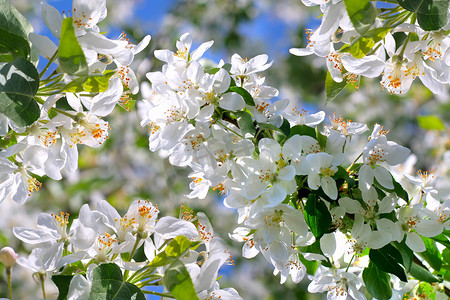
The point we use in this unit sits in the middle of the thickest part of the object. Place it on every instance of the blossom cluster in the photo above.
(302, 193)
(103, 236)
(352, 49)
(71, 106)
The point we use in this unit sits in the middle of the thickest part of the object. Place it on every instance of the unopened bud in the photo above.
(8, 257)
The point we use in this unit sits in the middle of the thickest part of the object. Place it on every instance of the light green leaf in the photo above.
(364, 44)
(333, 88)
(377, 282)
(14, 30)
(177, 247)
(71, 57)
(108, 284)
(19, 82)
(317, 216)
(431, 14)
(432, 255)
(431, 122)
(361, 13)
(178, 282)
(90, 84)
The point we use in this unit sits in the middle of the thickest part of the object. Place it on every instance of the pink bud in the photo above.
(8, 257)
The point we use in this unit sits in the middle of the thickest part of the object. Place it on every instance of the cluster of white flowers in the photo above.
(423, 54)
(103, 236)
(283, 175)
(49, 145)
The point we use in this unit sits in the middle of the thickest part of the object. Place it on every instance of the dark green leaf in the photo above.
(400, 191)
(342, 173)
(245, 122)
(19, 82)
(177, 280)
(333, 88)
(14, 30)
(431, 122)
(266, 126)
(71, 57)
(431, 14)
(108, 284)
(361, 13)
(432, 255)
(423, 274)
(285, 127)
(317, 216)
(177, 247)
(441, 238)
(302, 130)
(243, 92)
(62, 282)
(406, 253)
(388, 259)
(321, 138)
(377, 282)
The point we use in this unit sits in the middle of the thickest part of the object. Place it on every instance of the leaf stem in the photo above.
(158, 294)
(50, 61)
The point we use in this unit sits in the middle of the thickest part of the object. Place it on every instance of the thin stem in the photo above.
(141, 284)
(42, 280)
(354, 162)
(350, 262)
(239, 135)
(50, 61)
(138, 239)
(158, 294)
(8, 272)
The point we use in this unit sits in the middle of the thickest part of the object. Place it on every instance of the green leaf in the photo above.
(431, 122)
(342, 173)
(432, 255)
(321, 138)
(364, 44)
(19, 82)
(285, 127)
(311, 265)
(14, 30)
(302, 130)
(317, 216)
(333, 88)
(90, 84)
(431, 14)
(245, 122)
(400, 191)
(177, 247)
(388, 259)
(361, 13)
(178, 282)
(243, 92)
(71, 57)
(266, 126)
(377, 282)
(62, 282)
(406, 253)
(108, 284)
(423, 274)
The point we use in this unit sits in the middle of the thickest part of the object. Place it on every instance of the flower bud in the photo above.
(8, 257)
